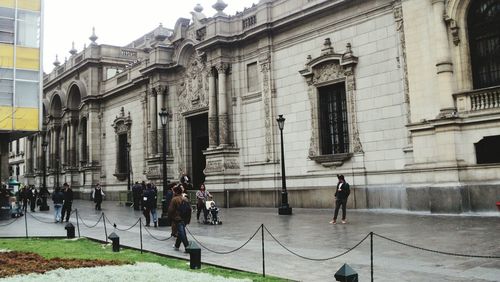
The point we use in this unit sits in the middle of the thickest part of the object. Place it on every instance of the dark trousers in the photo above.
(147, 214)
(66, 209)
(32, 204)
(201, 207)
(137, 203)
(181, 235)
(98, 205)
(338, 203)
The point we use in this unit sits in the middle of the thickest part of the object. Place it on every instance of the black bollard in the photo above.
(194, 255)
(70, 230)
(346, 274)
(115, 240)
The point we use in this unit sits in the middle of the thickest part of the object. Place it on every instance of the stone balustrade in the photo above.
(478, 100)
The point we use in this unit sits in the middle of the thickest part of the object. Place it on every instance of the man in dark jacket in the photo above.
(136, 195)
(68, 201)
(178, 222)
(149, 204)
(58, 198)
(32, 195)
(341, 194)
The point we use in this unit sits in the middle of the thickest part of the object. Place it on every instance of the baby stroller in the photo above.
(213, 213)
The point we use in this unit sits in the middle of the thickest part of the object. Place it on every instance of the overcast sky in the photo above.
(116, 22)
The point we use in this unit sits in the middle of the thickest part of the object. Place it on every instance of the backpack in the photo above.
(184, 210)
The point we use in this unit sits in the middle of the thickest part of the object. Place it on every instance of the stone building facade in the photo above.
(385, 92)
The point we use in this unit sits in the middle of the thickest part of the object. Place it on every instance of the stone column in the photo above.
(4, 157)
(72, 149)
(153, 149)
(27, 148)
(160, 104)
(93, 137)
(222, 99)
(443, 60)
(52, 148)
(212, 111)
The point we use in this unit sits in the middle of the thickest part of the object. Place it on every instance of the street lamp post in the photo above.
(57, 172)
(129, 202)
(164, 119)
(44, 192)
(284, 209)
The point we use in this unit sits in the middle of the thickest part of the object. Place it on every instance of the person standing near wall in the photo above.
(98, 195)
(341, 194)
(180, 213)
(58, 198)
(68, 201)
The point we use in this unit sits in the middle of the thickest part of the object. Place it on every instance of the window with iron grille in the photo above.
(484, 42)
(334, 133)
(122, 153)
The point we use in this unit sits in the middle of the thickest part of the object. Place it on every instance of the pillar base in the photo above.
(285, 210)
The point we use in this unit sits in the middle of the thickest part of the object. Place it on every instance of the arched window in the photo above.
(484, 40)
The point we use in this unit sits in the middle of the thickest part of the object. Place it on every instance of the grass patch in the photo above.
(87, 249)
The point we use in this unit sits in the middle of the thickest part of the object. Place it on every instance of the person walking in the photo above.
(68, 201)
(202, 196)
(24, 198)
(341, 194)
(33, 195)
(180, 213)
(149, 204)
(136, 195)
(98, 195)
(58, 198)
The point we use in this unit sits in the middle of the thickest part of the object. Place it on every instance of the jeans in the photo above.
(57, 209)
(181, 235)
(155, 216)
(66, 209)
(338, 203)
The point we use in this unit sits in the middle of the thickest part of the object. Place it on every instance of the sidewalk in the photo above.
(308, 233)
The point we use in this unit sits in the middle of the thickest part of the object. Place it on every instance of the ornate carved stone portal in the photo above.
(330, 68)
(122, 125)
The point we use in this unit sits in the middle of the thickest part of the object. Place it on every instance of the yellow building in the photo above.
(20, 71)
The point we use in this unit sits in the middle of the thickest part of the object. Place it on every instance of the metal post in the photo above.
(26, 222)
(129, 200)
(105, 230)
(164, 121)
(77, 223)
(285, 208)
(140, 231)
(263, 259)
(371, 255)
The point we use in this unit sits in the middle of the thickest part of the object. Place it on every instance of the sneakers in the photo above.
(175, 248)
(156, 225)
(343, 221)
(333, 222)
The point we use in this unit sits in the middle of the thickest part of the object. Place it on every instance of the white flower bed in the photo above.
(140, 271)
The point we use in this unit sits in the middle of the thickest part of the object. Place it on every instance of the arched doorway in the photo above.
(199, 143)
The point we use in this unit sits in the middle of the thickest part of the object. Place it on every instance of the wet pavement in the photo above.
(307, 233)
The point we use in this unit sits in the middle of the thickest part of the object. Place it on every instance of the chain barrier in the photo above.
(116, 226)
(435, 251)
(315, 259)
(152, 236)
(39, 220)
(228, 252)
(9, 223)
(88, 226)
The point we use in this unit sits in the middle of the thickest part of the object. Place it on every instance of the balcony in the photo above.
(486, 100)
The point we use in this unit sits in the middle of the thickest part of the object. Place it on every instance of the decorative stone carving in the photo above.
(398, 17)
(122, 125)
(265, 68)
(193, 90)
(329, 68)
(223, 129)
